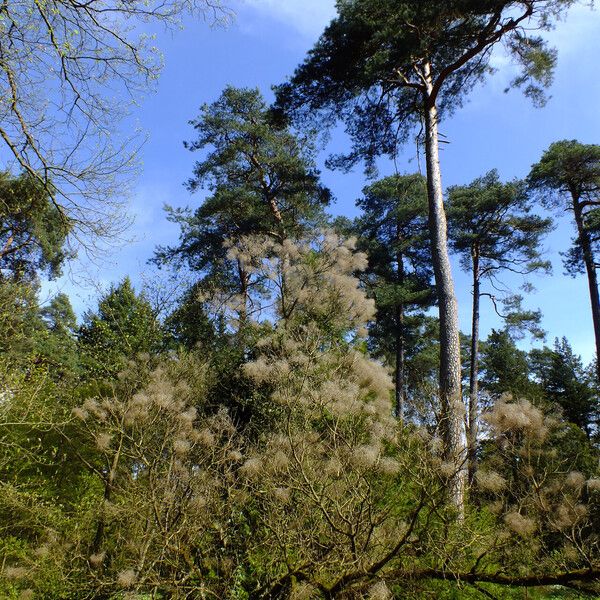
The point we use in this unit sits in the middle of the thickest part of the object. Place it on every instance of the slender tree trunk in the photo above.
(592, 276)
(109, 482)
(452, 406)
(285, 261)
(243, 310)
(399, 375)
(474, 372)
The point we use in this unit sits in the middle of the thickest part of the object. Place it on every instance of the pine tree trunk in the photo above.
(243, 310)
(592, 276)
(399, 375)
(452, 406)
(474, 372)
(400, 352)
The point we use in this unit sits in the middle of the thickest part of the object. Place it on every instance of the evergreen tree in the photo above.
(20, 323)
(57, 343)
(190, 324)
(392, 230)
(568, 175)
(565, 382)
(504, 368)
(262, 181)
(383, 66)
(123, 326)
(493, 231)
(33, 231)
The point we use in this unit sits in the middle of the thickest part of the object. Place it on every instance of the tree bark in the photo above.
(452, 406)
(592, 276)
(474, 372)
(244, 292)
(399, 375)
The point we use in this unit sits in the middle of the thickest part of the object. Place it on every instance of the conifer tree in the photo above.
(123, 326)
(565, 382)
(383, 66)
(262, 180)
(505, 368)
(57, 340)
(493, 231)
(568, 176)
(33, 231)
(392, 230)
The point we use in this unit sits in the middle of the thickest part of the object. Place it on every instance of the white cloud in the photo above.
(308, 17)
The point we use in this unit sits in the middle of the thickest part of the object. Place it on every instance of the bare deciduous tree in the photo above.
(69, 72)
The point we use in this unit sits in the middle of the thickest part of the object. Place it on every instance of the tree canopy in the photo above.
(368, 67)
(69, 71)
(33, 231)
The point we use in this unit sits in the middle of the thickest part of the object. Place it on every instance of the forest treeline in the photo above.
(297, 415)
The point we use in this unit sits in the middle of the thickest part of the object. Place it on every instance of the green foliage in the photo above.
(270, 465)
(190, 325)
(248, 153)
(33, 231)
(123, 327)
(493, 220)
(262, 180)
(505, 368)
(392, 230)
(374, 48)
(493, 231)
(34, 337)
(57, 345)
(565, 382)
(19, 322)
(568, 176)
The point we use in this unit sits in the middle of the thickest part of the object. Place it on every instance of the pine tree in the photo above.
(392, 230)
(33, 231)
(383, 66)
(565, 382)
(123, 326)
(493, 231)
(262, 180)
(504, 367)
(568, 175)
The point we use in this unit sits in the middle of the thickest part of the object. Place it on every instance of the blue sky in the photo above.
(261, 47)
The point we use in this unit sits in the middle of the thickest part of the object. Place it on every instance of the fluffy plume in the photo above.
(205, 437)
(251, 468)
(575, 480)
(517, 416)
(380, 591)
(490, 481)
(365, 456)
(92, 407)
(181, 446)
(519, 524)
(97, 559)
(279, 460)
(127, 578)
(568, 515)
(15, 572)
(103, 441)
(388, 466)
(235, 456)
(593, 484)
(282, 494)
(448, 469)
(80, 413)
